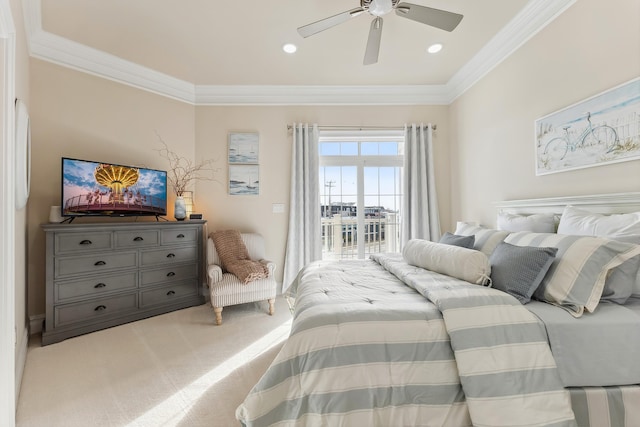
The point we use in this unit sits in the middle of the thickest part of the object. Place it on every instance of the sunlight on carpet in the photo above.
(172, 410)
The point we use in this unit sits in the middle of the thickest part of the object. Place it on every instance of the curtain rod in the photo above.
(346, 127)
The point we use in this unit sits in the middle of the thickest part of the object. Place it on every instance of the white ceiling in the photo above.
(230, 52)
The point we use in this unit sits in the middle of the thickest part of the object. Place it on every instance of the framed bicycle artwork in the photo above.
(599, 130)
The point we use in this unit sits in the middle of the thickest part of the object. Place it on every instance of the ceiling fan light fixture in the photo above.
(380, 7)
(435, 48)
(289, 48)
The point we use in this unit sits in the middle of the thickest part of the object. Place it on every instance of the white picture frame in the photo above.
(599, 130)
(244, 180)
(244, 148)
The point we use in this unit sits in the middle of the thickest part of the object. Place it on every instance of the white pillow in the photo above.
(536, 223)
(581, 222)
(462, 263)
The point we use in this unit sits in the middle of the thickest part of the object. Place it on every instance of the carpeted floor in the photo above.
(177, 369)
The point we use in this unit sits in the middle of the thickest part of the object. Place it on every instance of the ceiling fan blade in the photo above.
(373, 42)
(442, 19)
(332, 21)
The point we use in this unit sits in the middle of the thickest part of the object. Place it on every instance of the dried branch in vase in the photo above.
(183, 172)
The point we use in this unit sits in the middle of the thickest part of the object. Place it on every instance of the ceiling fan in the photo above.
(442, 19)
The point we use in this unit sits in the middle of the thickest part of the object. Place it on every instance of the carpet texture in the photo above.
(177, 369)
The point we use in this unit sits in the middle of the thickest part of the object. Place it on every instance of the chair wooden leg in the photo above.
(218, 311)
(271, 306)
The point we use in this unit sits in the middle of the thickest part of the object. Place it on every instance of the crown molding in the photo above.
(536, 15)
(67, 53)
(322, 95)
(48, 47)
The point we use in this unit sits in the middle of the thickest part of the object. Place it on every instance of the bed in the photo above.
(419, 339)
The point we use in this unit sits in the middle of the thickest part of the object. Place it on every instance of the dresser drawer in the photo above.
(169, 256)
(177, 235)
(168, 274)
(82, 242)
(95, 263)
(95, 309)
(136, 239)
(94, 285)
(166, 294)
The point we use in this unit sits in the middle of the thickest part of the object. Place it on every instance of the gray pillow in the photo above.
(457, 240)
(519, 270)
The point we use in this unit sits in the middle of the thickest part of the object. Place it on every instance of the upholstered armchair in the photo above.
(226, 289)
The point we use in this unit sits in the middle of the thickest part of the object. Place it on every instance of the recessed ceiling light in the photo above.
(290, 48)
(435, 48)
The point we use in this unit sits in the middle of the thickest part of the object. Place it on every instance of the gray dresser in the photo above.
(102, 275)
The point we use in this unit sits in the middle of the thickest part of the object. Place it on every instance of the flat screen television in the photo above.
(104, 189)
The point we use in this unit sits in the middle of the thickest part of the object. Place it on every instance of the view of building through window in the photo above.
(360, 192)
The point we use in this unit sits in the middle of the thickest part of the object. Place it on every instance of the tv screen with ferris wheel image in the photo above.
(105, 189)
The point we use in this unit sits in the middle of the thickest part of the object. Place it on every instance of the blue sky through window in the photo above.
(382, 184)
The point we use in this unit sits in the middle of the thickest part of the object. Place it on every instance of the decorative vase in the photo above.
(55, 214)
(180, 209)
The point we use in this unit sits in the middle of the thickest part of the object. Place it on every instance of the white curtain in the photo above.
(420, 203)
(304, 241)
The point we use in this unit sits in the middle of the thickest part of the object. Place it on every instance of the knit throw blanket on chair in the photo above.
(235, 257)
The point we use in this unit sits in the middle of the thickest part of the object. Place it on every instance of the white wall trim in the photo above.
(49, 47)
(21, 359)
(7, 218)
(35, 323)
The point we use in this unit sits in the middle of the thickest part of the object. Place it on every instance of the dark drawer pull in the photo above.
(86, 242)
(100, 285)
(100, 263)
(180, 236)
(171, 256)
(171, 293)
(100, 308)
(138, 239)
(171, 274)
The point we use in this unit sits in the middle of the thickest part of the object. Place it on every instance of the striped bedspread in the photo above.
(366, 349)
(606, 406)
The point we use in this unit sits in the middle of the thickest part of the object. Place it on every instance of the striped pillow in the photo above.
(486, 239)
(576, 278)
(635, 284)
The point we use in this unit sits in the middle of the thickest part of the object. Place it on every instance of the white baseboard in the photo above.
(35, 323)
(21, 359)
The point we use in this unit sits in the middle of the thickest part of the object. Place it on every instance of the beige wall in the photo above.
(82, 116)
(254, 213)
(590, 48)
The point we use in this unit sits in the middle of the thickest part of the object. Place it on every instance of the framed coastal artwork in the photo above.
(244, 180)
(244, 171)
(243, 148)
(597, 131)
